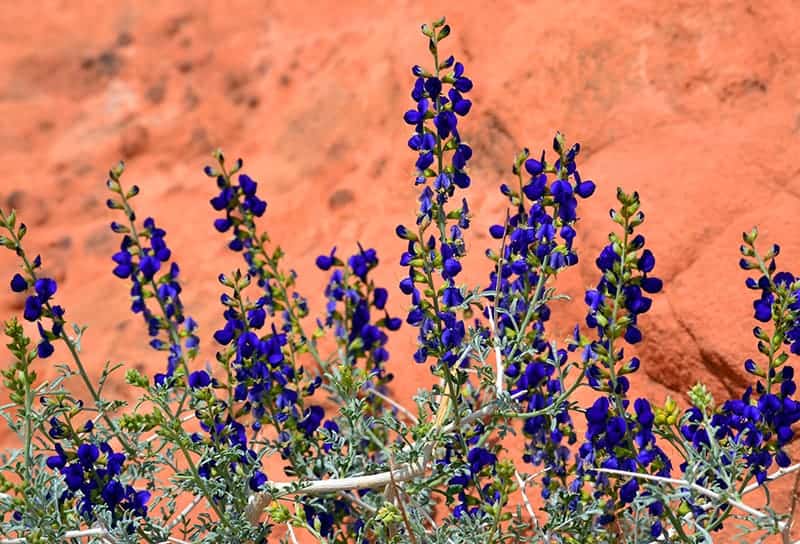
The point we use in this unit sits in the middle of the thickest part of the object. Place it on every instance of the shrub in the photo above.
(185, 463)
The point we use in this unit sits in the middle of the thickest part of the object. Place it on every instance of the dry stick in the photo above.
(258, 501)
(492, 312)
(93, 532)
(499, 377)
(173, 540)
(400, 505)
(403, 473)
(290, 530)
(184, 512)
(774, 476)
(522, 483)
(787, 531)
(700, 489)
(400, 408)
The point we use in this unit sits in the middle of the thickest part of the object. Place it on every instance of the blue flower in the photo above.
(628, 491)
(45, 288)
(33, 308)
(88, 454)
(199, 378)
(18, 284)
(380, 296)
(312, 418)
(478, 458)
(257, 481)
(325, 262)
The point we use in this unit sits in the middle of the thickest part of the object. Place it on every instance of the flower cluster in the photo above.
(759, 423)
(242, 206)
(481, 465)
(91, 471)
(537, 243)
(38, 305)
(434, 260)
(141, 257)
(620, 298)
(229, 436)
(441, 331)
(616, 438)
(351, 296)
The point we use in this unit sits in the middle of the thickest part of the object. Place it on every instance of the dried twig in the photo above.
(97, 532)
(401, 506)
(290, 531)
(526, 501)
(700, 489)
(400, 408)
(774, 476)
(185, 512)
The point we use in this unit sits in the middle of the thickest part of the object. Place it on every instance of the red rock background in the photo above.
(696, 105)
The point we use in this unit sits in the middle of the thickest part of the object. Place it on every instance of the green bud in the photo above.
(559, 143)
(132, 192)
(637, 219)
(750, 237)
(749, 265)
(701, 396)
(631, 209)
(135, 378)
(759, 333)
(622, 197)
(780, 359)
(278, 512)
(776, 341)
(8, 242)
(388, 514)
(11, 220)
(236, 167)
(116, 171)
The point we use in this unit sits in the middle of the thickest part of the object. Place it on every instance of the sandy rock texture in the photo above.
(694, 104)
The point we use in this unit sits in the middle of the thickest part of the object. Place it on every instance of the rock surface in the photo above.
(695, 106)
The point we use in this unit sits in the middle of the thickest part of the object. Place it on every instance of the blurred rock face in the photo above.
(696, 107)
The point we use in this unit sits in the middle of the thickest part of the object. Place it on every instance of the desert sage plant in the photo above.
(307, 393)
